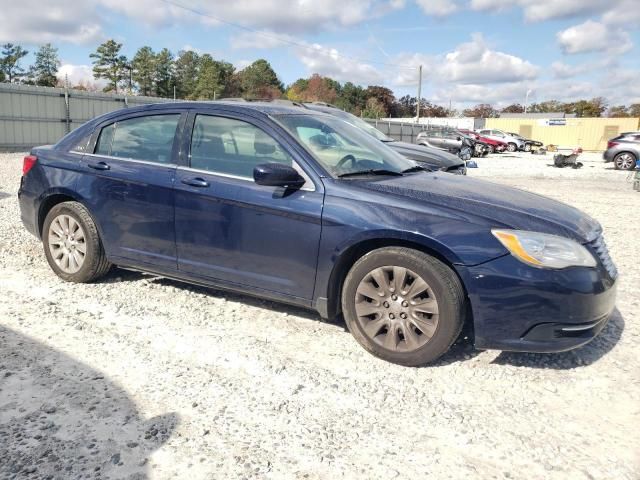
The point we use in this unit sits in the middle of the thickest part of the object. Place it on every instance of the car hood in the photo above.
(428, 155)
(497, 205)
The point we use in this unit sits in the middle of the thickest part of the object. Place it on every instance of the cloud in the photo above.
(541, 10)
(37, 22)
(77, 74)
(624, 12)
(260, 40)
(329, 62)
(292, 16)
(438, 8)
(474, 62)
(593, 36)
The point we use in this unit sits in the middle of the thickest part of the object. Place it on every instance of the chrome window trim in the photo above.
(307, 187)
(145, 162)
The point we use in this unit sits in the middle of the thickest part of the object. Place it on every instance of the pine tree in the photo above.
(45, 68)
(186, 73)
(164, 73)
(260, 81)
(10, 61)
(109, 64)
(144, 70)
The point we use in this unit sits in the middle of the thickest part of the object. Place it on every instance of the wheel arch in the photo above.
(350, 254)
(54, 197)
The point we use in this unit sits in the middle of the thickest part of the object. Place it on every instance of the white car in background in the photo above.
(513, 143)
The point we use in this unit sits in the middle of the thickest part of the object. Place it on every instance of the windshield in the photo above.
(342, 148)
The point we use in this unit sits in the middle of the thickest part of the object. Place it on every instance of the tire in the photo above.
(68, 229)
(512, 147)
(438, 308)
(625, 161)
(492, 149)
(527, 147)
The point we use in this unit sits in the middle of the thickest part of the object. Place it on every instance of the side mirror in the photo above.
(277, 175)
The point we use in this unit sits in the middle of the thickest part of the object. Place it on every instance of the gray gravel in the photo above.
(138, 376)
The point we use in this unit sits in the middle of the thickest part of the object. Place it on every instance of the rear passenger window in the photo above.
(232, 147)
(141, 138)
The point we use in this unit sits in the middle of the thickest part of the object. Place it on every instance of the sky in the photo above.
(472, 51)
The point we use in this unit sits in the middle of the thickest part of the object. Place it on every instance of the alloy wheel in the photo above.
(625, 161)
(67, 243)
(396, 308)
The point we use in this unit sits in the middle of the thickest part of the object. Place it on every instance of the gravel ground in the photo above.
(137, 376)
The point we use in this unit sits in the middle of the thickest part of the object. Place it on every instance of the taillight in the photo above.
(27, 163)
(611, 144)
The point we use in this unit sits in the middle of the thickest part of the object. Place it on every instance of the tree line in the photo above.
(194, 76)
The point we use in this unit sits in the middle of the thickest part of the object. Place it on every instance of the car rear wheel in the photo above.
(624, 161)
(403, 306)
(492, 149)
(72, 244)
(512, 147)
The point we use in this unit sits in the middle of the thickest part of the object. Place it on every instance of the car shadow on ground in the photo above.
(60, 418)
(583, 356)
(4, 195)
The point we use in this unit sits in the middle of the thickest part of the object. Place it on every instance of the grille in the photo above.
(600, 247)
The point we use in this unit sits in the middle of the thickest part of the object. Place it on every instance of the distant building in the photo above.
(538, 115)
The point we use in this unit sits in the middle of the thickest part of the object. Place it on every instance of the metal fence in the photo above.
(408, 131)
(31, 116)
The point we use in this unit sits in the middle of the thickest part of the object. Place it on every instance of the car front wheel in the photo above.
(72, 244)
(403, 306)
(624, 161)
(512, 147)
(527, 147)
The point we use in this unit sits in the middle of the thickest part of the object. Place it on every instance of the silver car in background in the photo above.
(623, 151)
(513, 143)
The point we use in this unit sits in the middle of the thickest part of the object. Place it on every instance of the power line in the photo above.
(279, 38)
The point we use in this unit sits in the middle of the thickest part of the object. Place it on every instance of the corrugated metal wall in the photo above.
(588, 133)
(401, 131)
(31, 116)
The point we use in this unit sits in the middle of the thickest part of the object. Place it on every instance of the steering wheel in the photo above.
(345, 159)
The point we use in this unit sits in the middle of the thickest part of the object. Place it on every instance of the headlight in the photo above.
(544, 251)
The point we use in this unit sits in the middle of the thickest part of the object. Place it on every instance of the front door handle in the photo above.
(98, 166)
(195, 182)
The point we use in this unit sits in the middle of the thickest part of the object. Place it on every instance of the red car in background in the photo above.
(494, 145)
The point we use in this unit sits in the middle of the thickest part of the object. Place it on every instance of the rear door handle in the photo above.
(196, 182)
(98, 166)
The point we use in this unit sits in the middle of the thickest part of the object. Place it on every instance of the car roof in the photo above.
(266, 107)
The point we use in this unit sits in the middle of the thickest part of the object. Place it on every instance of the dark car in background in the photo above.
(301, 207)
(432, 158)
(494, 146)
(623, 151)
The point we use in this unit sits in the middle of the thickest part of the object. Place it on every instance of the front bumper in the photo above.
(521, 308)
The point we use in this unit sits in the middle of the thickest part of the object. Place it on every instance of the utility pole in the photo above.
(526, 100)
(419, 94)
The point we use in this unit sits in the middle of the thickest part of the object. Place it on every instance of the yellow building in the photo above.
(588, 133)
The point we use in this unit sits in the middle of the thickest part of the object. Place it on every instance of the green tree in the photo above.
(297, 89)
(374, 109)
(384, 96)
(549, 106)
(144, 70)
(513, 108)
(352, 98)
(10, 61)
(186, 73)
(587, 108)
(164, 73)
(213, 79)
(109, 64)
(482, 110)
(259, 80)
(45, 68)
(619, 111)
(634, 110)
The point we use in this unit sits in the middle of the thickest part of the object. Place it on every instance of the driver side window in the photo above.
(232, 147)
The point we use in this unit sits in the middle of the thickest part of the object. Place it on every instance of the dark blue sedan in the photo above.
(301, 207)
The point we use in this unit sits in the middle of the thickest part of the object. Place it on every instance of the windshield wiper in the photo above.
(415, 168)
(372, 171)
